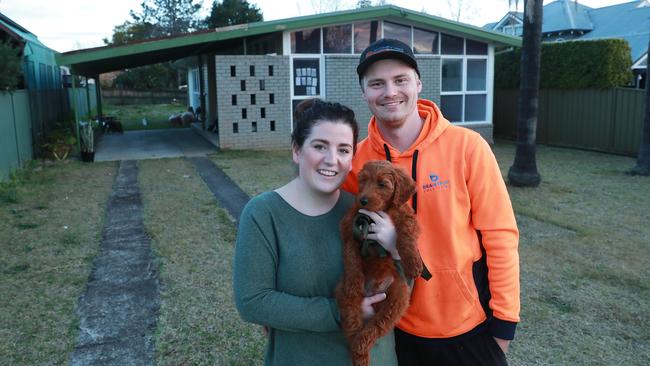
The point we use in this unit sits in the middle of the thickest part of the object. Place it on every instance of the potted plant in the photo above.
(87, 141)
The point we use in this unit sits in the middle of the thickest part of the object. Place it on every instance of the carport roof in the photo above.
(95, 61)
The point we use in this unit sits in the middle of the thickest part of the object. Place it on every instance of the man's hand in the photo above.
(503, 344)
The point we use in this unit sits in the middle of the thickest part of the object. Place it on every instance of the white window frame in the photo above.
(489, 82)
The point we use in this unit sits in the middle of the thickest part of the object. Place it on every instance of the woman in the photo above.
(288, 254)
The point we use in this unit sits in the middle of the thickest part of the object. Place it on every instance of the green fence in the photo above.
(26, 118)
(15, 131)
(608, 120)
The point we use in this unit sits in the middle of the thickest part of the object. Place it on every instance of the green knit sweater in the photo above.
(286, 268)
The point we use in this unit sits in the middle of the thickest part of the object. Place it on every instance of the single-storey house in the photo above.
(40, 70)
(248, 77)
(566, 20)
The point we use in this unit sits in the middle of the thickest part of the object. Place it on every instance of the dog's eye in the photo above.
(381, 184)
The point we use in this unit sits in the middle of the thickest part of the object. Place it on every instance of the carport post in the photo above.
(98, 96)
(88, 96)
(76, 112)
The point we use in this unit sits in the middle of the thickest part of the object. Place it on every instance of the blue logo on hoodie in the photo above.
(436, 183)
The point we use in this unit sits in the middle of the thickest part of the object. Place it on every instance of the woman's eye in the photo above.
(344, 151)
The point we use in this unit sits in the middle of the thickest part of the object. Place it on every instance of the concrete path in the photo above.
(227, 193)
(152, 144)
(119, 308)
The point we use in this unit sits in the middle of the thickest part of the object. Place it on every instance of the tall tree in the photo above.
(231, 12)
(642, 166)
(364, 4)
(523, 172)
(171, 17)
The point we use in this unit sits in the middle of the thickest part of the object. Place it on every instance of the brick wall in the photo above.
(253, 130)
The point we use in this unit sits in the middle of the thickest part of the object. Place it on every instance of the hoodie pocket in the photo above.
(453, 304)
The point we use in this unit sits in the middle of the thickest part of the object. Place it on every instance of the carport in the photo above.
(195, 49)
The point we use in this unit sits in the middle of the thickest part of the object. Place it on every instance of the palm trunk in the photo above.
(642, 166)
(523, 172)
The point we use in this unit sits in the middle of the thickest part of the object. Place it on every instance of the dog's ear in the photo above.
(404, 187)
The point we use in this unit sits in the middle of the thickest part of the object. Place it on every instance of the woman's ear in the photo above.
(295, 152)
(404, 187)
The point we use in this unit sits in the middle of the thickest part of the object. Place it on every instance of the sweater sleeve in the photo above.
(254, 282)
(493, 216)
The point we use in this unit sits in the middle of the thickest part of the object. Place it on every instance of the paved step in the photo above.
(227, 193)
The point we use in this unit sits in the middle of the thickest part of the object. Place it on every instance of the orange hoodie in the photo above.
(468, 237)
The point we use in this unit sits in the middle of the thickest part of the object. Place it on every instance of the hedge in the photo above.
(596, 64)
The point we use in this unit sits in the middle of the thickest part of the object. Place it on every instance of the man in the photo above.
(466, 314)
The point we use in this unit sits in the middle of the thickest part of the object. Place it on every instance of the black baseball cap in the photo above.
(384, 49)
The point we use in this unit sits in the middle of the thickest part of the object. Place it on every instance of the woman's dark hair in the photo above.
(311, 111)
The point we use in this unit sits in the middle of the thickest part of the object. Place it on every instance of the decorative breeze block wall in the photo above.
(253, 102)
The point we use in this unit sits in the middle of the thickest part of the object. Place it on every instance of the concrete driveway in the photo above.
(152, 144)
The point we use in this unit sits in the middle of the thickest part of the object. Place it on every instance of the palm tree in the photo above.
(523, 172)
(642, 166)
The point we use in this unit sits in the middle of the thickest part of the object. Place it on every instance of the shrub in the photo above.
(596, 64)
(10, 67)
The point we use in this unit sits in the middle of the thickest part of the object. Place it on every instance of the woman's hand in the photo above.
(383, 231)
(367, 311)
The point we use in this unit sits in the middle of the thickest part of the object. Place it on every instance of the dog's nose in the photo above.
(363, 201)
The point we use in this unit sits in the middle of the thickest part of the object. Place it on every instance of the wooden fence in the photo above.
(124, 96)
(609, 120)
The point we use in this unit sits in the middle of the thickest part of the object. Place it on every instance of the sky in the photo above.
(67, 25)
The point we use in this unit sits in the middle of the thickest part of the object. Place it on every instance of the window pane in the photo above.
(452, 75)
(451, 45)
(425, 41)
(476, 48)
(452, 107)
(338, 39)
(364, 34)
(306, 41)
(476, 74)
(398, 32)
(475, 107)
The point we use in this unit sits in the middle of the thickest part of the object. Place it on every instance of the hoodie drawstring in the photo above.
(414, 175)
(387, 151)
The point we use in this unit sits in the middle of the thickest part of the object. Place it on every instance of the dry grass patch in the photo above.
(584, 255)
(51, 217)
(193, 240)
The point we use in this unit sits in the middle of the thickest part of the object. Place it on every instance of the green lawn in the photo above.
(131, 115)
(584, 258)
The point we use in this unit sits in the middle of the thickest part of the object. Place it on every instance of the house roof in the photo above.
(562, 15)
(94, 61)
(17, 32)
(517, 15)
(629, 21)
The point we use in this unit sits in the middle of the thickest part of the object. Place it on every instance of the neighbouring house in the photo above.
(40, 70)
(247, 78)
(566, 20)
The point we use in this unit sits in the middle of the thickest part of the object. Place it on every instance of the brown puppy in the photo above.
(382, 187)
